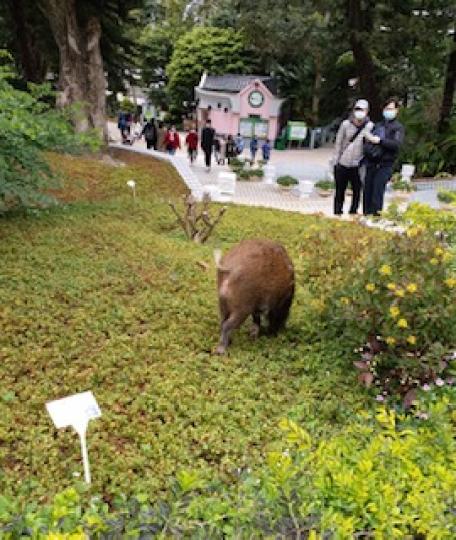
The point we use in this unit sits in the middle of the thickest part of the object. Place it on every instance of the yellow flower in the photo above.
(412, 287)
(438, 251)
(450, 282)
(400, 293)
(390, 340)
(345, 300)
(402, 323)
(413, 231)
(385, 270)
(411, 340)
(447, 256)
(391, 286)
(434, 261)
(395, 311)
(370, 287)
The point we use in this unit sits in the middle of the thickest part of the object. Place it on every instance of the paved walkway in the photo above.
(305, 165)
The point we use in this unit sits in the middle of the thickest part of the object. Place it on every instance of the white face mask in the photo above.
(359, 115)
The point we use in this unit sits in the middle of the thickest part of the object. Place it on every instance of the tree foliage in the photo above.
(215, 50)
(29, 126)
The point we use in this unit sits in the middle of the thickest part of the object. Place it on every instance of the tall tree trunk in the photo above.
(316, 89)
(358, 24)
(81, 74)
(449, 89)
(31, 60)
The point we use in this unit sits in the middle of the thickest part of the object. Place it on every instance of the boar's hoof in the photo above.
(221, 349)
(254, 331)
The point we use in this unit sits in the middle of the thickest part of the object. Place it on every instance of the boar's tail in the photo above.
(217, 259)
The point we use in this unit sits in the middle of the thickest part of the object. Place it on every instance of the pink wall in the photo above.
(228, 122)
(221, 121)
(247, 109)
(273, 128)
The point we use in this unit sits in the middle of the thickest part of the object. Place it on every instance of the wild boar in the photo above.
(256, 277)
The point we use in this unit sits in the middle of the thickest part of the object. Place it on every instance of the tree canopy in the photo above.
(211, 49)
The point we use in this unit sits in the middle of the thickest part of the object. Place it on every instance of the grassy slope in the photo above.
(108, 296)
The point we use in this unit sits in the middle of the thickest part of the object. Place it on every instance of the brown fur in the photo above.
(256, 278)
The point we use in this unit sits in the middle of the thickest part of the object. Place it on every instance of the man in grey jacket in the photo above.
(349, 153)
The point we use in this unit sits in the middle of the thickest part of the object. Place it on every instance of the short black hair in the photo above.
(392, 99)
(208, 121)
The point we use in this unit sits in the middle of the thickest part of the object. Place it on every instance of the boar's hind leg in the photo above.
(278, 315)
(231, 323)
(256, 326)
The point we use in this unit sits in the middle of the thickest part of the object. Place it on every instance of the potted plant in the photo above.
(325, 188)
(447, 200)
(256, 174)
(401, 188)
(286, 183)
(243, 174)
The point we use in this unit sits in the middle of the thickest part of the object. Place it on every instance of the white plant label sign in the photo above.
(76, 411)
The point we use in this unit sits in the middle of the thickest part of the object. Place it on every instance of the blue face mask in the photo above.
(389, 115)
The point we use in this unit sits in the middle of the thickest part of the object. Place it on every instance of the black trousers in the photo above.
(192, 154)
(343, 176)
(207, 156)
(377, 176)
(151, 143)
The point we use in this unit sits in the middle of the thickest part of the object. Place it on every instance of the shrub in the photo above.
(446, 196)
(387, 476)
(325, 185)
(287, 181)
(259, 173)
(431, 152)
(28, 126)
(244, 174)
(237, 163)
(435, 221)
(402, 185)
(402, 303)
(443, 176)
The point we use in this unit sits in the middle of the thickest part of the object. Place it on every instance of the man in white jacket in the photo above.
(349, 153)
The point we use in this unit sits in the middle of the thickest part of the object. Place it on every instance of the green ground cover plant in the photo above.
(105, 293)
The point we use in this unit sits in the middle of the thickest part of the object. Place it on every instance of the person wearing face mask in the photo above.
(380, 153)
(348, 155)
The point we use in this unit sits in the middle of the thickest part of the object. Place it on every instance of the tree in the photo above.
(449, 88)
(360, 25)
(215, 50)
(77, 33)
(28, 126)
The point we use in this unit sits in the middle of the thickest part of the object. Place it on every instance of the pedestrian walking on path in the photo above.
(192, 144)
(230, 149)
(266, 150)
(380, 154)
(207, 143)
(239, 142)
(172, 141)
(349, 154)
(253, 148)
(150, 134)
(161, 134)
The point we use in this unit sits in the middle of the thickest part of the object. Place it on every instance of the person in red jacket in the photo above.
(172, 141)
(192, 144)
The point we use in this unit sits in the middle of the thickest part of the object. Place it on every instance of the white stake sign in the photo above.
(76, 411)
